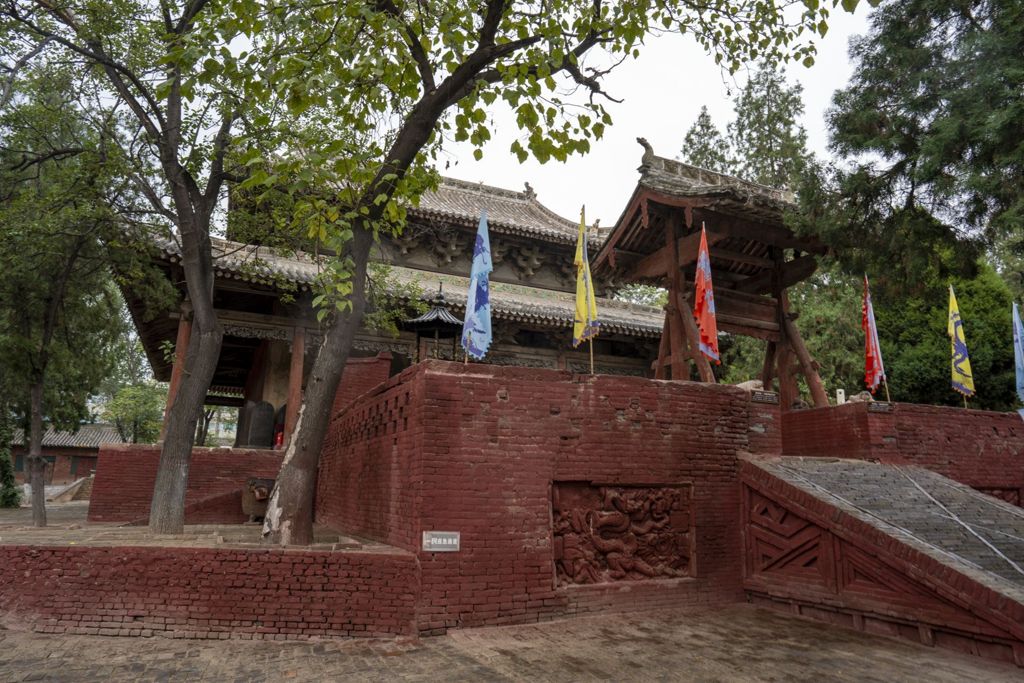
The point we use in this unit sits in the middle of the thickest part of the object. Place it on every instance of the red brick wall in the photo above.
(125, 475)
(476, 448)
(208, 593)
(982, 449)
(60, 471)
(361, 375)
(371, 490)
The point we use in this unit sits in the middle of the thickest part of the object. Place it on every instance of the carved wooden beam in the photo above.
(790, 273)
(659, 263)
(758, 231)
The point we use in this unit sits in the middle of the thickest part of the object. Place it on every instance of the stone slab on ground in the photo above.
(740, 643)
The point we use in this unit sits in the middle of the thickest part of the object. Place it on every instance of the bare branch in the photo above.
(55, 155)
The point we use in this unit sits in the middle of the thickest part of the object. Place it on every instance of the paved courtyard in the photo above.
(737, 644)
(740, 643)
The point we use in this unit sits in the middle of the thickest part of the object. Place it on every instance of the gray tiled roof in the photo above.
(454, 200)
(510, 302)
(87, 436)
(908, 502)
(732, 194)
(507, 210)
(540, 306)
(253, 263)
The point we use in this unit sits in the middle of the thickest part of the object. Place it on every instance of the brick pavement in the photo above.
(740, 643)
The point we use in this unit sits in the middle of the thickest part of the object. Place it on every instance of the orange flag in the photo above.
(704, 303)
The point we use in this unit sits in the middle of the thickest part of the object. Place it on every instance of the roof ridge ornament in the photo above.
(647, 160)
(529, 192)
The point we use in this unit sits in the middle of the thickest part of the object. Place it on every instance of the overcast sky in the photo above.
(662, 94)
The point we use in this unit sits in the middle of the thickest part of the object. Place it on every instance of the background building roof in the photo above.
(88, 436)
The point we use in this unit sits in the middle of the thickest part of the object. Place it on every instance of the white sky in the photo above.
(663, 91)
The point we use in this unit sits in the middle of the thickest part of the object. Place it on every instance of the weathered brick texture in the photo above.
(208, 593)
(476, 448)
(980, 448)
(125, 475)
(361, 375)
(806, 556)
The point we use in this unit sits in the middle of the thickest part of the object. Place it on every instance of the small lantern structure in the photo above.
(436, 324)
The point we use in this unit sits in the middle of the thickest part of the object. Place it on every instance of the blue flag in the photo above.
(476, 330)
(1018, 353)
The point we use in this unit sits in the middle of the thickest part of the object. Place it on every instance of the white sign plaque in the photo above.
(441, 541)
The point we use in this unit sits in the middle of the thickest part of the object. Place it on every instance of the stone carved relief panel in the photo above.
(604, 534)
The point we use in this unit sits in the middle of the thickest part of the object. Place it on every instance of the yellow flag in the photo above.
(585, 325)
(962, 379)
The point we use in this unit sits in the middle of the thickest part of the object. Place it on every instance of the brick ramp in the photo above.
(887, 549)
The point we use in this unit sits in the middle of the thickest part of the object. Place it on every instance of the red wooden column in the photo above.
(180, 352)
(295, 382)
(682, 325)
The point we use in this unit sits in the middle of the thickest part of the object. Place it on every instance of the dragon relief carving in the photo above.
(620, 533)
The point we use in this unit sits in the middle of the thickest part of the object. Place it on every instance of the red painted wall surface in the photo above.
(208, 593)
(476, 448)
(125, 475)
(82, 460)
(982, 449)
(361, 375)
(804, 556)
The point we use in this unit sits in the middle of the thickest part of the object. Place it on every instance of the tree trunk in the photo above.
(167, 511)
(203, 429)
(289, 518)
(36, 465)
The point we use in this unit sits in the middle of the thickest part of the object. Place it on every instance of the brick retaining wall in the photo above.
(126, 473)
(208, 593)
(980, 448)
(477, 448)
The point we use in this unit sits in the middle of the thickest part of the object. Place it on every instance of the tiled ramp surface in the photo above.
(886, 549)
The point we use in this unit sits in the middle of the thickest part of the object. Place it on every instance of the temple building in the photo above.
(264, 298)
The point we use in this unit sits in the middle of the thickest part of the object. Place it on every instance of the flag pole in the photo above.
(885, 383)
(591, 355)
(964, 396)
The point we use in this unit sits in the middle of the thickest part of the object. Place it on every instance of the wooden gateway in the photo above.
(754, 259)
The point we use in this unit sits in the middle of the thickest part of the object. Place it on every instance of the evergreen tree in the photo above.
(705, 146)
(935, 104)
(769, 144)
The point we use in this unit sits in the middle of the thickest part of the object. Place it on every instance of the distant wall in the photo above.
(480, 449)
(207, 593)
(126, 473)
(980, 448)
(66, 466)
